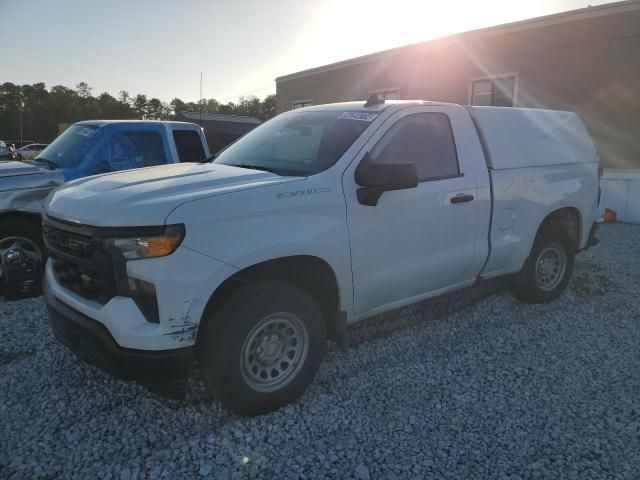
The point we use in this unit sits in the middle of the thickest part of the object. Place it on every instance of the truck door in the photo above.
(418, 240)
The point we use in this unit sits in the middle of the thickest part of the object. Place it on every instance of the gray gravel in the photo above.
(476, 386)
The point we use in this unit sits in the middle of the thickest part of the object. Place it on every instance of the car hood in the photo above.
(24, 186)
(146, 196)
(14, 169)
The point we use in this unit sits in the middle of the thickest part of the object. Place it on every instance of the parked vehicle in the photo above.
(30, 151)
(17, 143)
(316, 219)
(4, 151)
(85, 148)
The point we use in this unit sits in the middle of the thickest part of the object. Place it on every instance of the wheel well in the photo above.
(566, 220)
(310, 273)
(32, 218)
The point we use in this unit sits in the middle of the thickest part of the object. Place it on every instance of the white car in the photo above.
(316, 219)
(30, 151)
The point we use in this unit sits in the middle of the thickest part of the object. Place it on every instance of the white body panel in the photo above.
(528, 137)
(148, 195)
(414, 244)
(523, 197)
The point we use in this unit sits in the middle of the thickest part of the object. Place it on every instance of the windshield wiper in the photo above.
(50, 163)
(254, 167)
(282, 172)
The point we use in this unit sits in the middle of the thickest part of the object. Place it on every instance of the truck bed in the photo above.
(539, 161)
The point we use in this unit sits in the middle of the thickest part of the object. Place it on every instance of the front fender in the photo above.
(246, 228)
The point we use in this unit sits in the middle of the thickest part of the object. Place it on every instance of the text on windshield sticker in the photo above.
(363, 116)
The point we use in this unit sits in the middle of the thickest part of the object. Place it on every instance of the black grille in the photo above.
(79, 262)
(68, 242)
(84, 281)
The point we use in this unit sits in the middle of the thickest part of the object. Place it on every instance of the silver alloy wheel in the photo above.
(274, 351)
(16, 250)
(550, 267)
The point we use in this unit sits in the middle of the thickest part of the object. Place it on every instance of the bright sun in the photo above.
(347, 28)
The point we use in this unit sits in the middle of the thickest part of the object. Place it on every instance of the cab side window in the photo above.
(425, 139)
(145, 146)
(128, 149)
(188, 145)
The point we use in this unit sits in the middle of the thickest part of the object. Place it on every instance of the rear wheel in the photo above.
(547, 271)
(262, 347)
(22, 256)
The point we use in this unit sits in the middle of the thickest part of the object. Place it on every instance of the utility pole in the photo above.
(20, 107)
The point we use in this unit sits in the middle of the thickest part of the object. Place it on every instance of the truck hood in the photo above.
(23, 186)
(146, 196)
(13, 169)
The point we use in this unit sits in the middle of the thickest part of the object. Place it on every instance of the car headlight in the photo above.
(148, 246)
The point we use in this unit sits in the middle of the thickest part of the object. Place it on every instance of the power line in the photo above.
(246, 93)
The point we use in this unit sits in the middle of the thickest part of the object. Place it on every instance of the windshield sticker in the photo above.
(87, 132)
(363, 116)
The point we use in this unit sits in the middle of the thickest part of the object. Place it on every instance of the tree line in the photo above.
(44, 113)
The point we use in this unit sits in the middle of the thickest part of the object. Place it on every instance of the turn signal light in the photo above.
(161, 246)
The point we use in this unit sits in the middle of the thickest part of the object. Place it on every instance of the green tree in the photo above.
(140, 105)
(178, 106)
(268, 108)
(83, 90)
(212, 106)
(124, 97)
(43, 111)
(157, 110)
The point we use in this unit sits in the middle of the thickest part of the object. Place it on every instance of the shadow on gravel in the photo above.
(371, 329)
(428, 310)
(590, 279)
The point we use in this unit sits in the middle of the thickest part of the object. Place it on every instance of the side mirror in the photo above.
(377, 178)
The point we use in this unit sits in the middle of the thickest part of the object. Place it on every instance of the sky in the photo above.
(159, 47)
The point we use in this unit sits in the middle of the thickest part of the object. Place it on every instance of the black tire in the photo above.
(19, 157)
(223, 345)
(529, 284)
(26, 279)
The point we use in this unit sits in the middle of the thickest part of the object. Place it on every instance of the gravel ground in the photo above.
(475, 385)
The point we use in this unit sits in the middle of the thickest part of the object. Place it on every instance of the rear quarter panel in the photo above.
(524, 197)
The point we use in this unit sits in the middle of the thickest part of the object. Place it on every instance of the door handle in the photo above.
(461, 198)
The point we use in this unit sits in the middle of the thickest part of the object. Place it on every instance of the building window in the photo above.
(496, 92)
(301, 103)
(388, 94)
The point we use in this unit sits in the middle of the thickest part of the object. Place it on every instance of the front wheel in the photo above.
(262, 347)
(22, 256)
(547, 271)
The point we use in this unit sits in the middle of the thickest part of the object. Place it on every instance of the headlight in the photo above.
(148, 246)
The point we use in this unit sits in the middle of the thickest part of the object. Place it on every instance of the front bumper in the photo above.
(92, 342)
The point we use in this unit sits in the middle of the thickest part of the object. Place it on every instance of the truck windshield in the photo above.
(297, 143)
(70, 148)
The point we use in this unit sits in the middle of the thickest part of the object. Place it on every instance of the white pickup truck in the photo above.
(318, 218)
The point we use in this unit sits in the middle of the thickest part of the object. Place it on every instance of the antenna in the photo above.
(200, 101)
